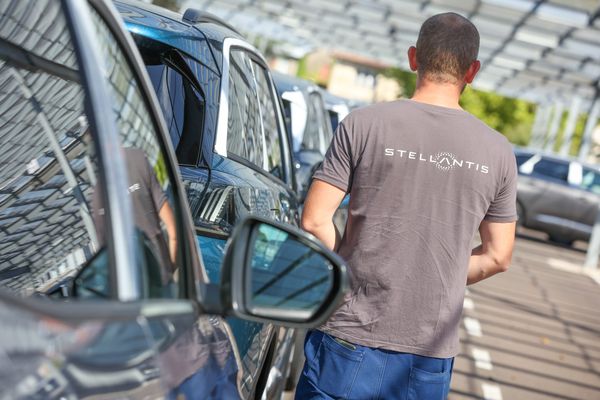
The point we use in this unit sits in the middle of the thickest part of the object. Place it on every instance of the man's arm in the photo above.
(495, 252)
(168, 218)
(317, 217)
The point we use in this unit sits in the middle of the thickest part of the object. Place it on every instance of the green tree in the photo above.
(511, 117)
(174, 5)
(407, 80)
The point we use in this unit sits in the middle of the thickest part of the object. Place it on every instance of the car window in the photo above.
(327, 133)
(287, 115)
(244, 131)
(150, 182)
(48, 165)
(521, 158)
(272, 134)
(555, 169)
(333, 119)
(591, 180)
(312, 133)
(180, 100)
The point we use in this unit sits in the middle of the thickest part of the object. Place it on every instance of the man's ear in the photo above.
(472, 71)
(412, 58)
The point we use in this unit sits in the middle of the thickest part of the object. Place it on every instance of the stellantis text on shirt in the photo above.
(443, 160)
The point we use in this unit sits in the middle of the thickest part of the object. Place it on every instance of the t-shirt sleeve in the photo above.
(504, 206)
(158, 195)
(337, 168)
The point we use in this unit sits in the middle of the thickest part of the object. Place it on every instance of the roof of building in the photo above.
(539, 50)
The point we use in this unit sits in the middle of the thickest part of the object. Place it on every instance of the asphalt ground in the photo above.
(532, 332)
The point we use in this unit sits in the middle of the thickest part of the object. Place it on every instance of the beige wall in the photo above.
(286, 66)
(361, 84)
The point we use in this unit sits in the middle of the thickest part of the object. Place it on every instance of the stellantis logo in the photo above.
(443, 161)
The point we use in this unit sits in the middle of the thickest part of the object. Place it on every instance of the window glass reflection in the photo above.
(180, 101)
(312, 133)
(150, 188)
(213, 251)
(244, 131)
(558, 170)
(48, 165)
(286, 273)
(270, 122)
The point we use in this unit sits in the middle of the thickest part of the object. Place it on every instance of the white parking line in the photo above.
(468, 304)
(472, 326)
(482, 358)
(491, 392)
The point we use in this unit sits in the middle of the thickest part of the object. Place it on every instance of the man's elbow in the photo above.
(309, 224)
(503, 263)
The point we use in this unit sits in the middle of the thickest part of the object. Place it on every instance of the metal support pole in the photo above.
(554, 126)
(593, 253)
(61, 158)
(537, 122)
(592, 121)
(570, 126)
(540, 126)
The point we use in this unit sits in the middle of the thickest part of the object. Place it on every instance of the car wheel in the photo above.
(562, 240)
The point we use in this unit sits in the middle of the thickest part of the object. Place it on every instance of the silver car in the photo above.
(559, 196)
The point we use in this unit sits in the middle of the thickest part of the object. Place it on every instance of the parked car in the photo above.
(308, 125)
(557, 195)
(337, 108)
(227, 127)
(103, 292)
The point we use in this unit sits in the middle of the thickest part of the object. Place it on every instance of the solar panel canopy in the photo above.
(544, 51)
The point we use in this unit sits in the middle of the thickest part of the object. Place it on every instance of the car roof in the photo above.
(288, 83)
(553, 156)
(191, 36)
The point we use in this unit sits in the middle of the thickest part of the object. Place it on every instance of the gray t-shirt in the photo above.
(421, 179)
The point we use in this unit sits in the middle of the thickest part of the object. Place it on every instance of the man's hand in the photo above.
(495, 252)
(317, 217)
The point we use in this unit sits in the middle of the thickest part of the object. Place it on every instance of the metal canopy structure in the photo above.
(542, 51)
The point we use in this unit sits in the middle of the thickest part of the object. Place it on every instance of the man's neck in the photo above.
(437, 94)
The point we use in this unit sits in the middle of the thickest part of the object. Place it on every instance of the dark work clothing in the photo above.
(147, 198)
(421, 179)
(345, 371)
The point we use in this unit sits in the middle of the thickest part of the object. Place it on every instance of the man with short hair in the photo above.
(423, 177)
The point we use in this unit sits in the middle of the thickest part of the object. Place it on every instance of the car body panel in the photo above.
(554, 199)
(221, 189)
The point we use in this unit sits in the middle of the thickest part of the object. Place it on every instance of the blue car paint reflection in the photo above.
(213, 251)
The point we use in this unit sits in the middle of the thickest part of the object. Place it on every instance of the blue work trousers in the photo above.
(336, 369)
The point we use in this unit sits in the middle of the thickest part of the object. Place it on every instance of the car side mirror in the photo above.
(278, 274)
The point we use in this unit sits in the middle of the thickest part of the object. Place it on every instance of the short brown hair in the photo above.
(447, 45)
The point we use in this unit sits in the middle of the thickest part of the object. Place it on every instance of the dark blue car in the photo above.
(227, 127)
(103, 288)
